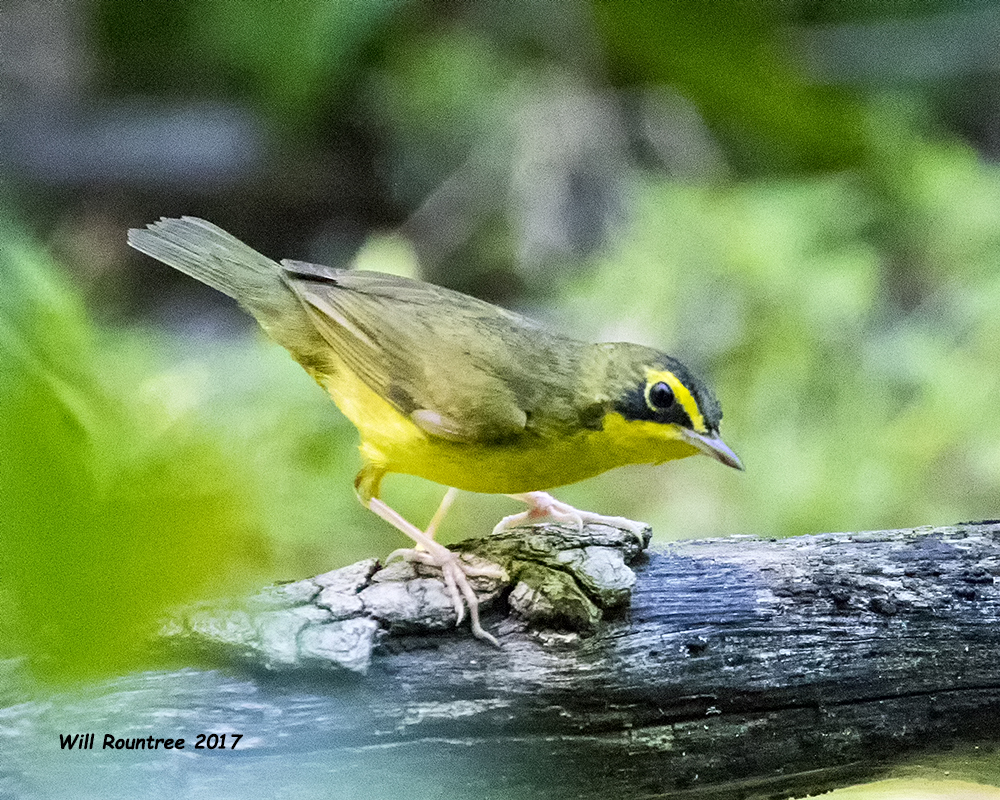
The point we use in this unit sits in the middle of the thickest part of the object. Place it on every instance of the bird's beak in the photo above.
(711, 445)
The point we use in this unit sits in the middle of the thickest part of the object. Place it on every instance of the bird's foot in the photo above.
(456, 570)
(542, 506)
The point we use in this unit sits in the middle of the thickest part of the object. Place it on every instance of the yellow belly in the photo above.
(391, 442)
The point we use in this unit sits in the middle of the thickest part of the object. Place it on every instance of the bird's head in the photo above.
(663, 406)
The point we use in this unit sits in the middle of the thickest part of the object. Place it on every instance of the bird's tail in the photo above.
(217, 258)
(206, 252)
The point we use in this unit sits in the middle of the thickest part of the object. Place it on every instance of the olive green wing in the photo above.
(461, 368)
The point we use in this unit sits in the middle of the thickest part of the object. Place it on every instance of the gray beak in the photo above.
(711, 445)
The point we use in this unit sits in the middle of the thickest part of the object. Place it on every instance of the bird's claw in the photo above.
(543, 506)
(455, 572)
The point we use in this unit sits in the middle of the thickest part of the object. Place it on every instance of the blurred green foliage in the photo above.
(286, 59)
(111, 509)
(732, 60)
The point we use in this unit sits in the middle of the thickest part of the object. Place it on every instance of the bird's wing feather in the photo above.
(462, 369)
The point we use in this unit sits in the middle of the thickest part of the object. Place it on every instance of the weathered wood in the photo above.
(549, 576)
(741, 668)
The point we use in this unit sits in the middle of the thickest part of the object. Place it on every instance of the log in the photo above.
(741, 667)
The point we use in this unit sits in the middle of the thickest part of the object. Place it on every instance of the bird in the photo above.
(456, 390)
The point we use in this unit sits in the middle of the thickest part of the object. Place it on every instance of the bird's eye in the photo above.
(661, 396)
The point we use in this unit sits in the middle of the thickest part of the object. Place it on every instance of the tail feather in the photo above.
(217, 258)
(209, 254)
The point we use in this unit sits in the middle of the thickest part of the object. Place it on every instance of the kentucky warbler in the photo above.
(453, 389)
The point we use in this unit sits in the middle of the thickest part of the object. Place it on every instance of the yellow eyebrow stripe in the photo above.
(681, 393)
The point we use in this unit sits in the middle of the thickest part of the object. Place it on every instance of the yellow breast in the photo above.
(391, 442)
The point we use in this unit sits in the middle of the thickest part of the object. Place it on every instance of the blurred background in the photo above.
(800, 199)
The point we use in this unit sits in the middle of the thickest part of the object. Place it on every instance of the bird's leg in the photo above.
(430, 530)
(454, 570)
(446, 501)
(543, 506)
